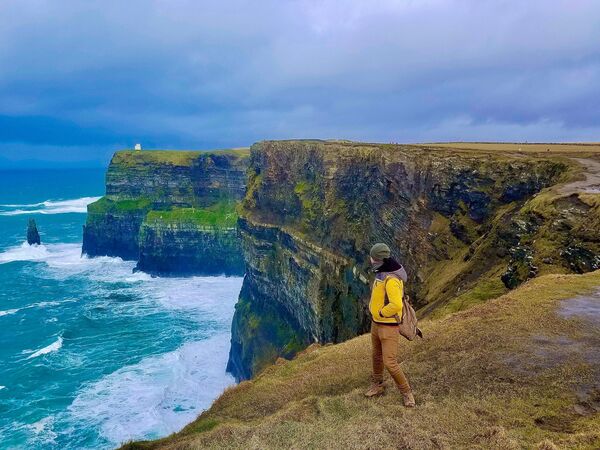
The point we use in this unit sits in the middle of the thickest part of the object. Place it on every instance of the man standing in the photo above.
(385, 306)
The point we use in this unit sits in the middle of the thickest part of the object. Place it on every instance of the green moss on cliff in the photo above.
(311, 203)
(106, 205)
(220, 215)
(488, 286)
(267, 329)
(253, 183)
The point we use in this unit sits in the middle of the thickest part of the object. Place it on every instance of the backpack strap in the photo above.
(386, 301)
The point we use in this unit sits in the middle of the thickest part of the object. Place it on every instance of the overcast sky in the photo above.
(80, 79)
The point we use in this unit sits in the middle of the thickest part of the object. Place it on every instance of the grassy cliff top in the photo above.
(517, 372)
(514, 149)
(173, 157)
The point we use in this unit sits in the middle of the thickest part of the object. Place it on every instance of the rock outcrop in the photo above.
(33, 237)
(172, 211)
(313, 209)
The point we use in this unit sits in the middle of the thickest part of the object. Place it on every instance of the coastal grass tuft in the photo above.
(489, 287)
(510, 373)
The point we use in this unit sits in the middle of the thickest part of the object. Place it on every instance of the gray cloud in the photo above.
(182, 73)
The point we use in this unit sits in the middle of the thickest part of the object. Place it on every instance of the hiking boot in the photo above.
(408, 399)
(375, 389)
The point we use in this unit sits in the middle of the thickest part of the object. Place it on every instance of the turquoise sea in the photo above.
(91, 354)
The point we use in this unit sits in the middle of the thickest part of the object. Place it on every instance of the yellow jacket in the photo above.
(395, 291)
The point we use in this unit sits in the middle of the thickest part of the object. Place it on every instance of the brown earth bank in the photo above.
(517, 372)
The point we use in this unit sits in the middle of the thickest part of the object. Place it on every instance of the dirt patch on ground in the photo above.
(589, 185)
(584, 307)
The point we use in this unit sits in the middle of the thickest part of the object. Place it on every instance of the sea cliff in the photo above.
(467, 226)
(172, 211)
(298, 218)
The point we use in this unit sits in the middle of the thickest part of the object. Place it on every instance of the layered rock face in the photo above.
(313, 209)
(187, 243)
(172, 211)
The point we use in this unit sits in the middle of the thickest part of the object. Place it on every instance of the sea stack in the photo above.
(33, 237)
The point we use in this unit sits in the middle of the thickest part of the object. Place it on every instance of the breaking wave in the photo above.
(77, 205)
(54, 347)
(8, 312)
(149, 396)
(157, 396)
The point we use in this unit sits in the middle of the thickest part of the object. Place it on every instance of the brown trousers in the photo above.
(384, 340)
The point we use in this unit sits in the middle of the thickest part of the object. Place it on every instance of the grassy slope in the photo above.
(510, 373)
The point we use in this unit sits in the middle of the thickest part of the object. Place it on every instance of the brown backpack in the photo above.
(408, 323)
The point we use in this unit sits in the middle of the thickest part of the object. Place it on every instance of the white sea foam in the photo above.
(163, 393)
(157, 396)
(77, 205)
(23, 205)
(41, 425)
(2, 387)
(34, 305)
(67, 260)
(55, 346)
(43, 433)
(24, 252)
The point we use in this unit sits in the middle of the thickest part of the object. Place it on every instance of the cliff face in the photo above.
(112, 227)
(172, 211)
(294, 293)
(313, 209)
(188, 241)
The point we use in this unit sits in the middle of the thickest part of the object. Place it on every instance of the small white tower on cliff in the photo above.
(138, 147)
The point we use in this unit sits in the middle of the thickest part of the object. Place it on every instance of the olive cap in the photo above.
(380, 251)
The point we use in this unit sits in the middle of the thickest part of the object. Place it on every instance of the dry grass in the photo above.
(506, 374)
(588, 148)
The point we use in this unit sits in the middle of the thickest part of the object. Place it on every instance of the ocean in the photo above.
(93, 355)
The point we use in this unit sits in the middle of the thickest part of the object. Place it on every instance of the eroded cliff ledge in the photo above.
(467, 225)
(172, 211)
